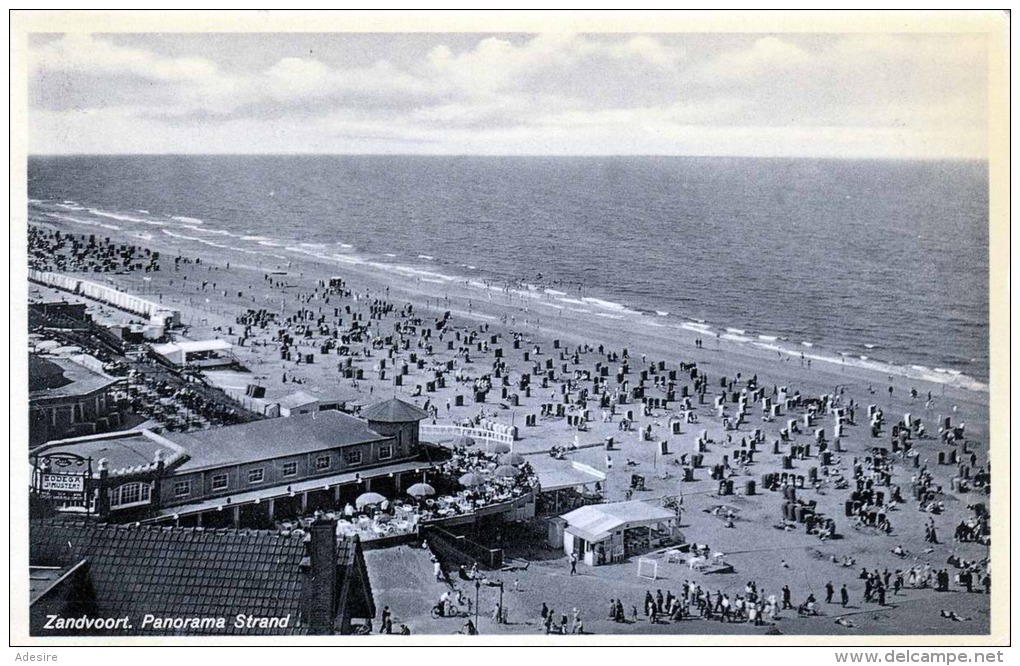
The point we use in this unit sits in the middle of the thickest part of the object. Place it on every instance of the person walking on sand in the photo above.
(573, 564)
(844, 596)
(829, 591)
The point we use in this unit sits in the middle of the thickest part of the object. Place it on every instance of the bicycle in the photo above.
(455, 612)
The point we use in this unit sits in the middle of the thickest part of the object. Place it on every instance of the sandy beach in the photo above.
(565, 337)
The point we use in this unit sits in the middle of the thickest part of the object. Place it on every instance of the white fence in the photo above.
(478, 434)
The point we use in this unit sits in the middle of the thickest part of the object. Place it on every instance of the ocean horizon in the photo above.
(873, 260)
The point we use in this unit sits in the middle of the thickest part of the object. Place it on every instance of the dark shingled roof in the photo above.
(173, 572)
(393, 411)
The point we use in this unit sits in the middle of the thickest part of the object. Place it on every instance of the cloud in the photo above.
(546, 93)
(967, 50)
(85, 53)
(649, 50)
(768, 56)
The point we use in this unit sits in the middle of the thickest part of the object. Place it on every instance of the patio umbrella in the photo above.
(471, 479)
(506, 471)
(501, 448)
(511, 459)
(368, 499)
(421, 490)
(464, 440)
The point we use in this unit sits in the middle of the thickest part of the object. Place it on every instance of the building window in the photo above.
(182, 488)
(78, 506)
(352, 456)
(219, 482)
(289, 468)
(256, 475)
(130, 494)
(385, 451)
(76, 416)
(322, 462)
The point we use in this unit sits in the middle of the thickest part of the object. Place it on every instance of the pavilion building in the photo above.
(244, 475)
(67, 398)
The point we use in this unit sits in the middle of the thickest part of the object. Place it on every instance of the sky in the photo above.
(909, 96)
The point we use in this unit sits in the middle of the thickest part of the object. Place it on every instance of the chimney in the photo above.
(319, 590)
(103, 495)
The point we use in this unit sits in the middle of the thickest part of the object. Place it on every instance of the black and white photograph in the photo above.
(581, 328)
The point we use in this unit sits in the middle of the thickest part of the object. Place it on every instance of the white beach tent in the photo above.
(177, 353)
(598, 532)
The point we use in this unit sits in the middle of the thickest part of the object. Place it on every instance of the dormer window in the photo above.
(130, 494)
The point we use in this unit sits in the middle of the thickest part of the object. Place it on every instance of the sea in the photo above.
(880, 262)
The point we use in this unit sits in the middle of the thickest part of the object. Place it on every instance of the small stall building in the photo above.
(607, 533)
(565, 487)
(196, 353)
(297, 403)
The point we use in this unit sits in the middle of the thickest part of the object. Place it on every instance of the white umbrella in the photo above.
(421, 490)
(471, 479)
(368, 499)
(511, 459)
(464, 440)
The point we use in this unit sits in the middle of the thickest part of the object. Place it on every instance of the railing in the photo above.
(465, 550)
(428, 430)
